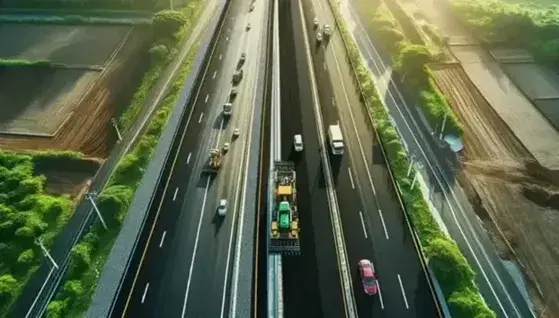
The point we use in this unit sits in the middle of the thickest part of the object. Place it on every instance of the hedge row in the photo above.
(449, 265)
(88, 257)
(24, 63)
(26, 213)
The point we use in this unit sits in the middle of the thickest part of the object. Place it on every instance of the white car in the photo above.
(226, 147)
(319, 36)
(236, 133)
(298, 143)
(222, 208)
(315, 22)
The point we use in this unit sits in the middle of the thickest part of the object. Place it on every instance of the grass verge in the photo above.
(24, 63)
(450, 267)
(26, 214)
(89, 256)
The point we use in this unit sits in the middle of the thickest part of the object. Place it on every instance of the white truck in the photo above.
(327, 30)
(227, 109)
(336, 139)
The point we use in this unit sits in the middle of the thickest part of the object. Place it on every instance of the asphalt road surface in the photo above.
(373, 223)
(186, 266)
(311, 281)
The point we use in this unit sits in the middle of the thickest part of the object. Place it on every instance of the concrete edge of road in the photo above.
(118, 262)
(437, 296)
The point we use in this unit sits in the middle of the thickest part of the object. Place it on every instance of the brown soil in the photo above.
(89, 129)
(516, 196)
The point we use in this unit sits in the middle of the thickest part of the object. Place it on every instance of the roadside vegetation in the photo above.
(449, 265)
(412, 49)
(527, 25)
(89, 256)
(24, 63)
(27, 214)
(70, 19)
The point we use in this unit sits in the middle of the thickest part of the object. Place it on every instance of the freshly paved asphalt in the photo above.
(188, 259)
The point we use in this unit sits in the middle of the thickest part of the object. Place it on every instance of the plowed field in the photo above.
(513, 190)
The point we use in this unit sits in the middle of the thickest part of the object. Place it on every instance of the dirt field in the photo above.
(71, 45)
(495, 171)
(71, 179)
(88, 129)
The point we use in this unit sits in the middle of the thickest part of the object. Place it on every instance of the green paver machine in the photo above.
(284, 236)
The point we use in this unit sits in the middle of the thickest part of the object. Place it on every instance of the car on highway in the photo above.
(222, 207)
(236, 133)
(248, 26)
(368, 277)
(315, 22)
(298, 143)
(233, 94)
(237, 76)
(242, 60)
(251, 7)
(319, 36)
(226, 147)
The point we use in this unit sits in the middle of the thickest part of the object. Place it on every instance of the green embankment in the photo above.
(24, 63)
(89, 256)
(451, 269)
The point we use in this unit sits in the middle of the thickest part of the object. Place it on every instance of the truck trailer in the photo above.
(336, 139)
(284, 230)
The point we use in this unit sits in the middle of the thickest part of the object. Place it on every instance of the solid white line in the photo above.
(162, 238)
(363, 224)
(351, 178)
(175, 195)
(383, 224)
(201, 116)
(380, 295)
(403, 292)
(188, 158)
(220, 56)
(215, 73)
(206, 100)
(196, 240)
(145, 293)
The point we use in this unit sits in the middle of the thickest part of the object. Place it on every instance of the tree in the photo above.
(167, 23)
(56, 309)
(390, 38)
(159, 52)
(26, 257)
(7, 286)
(114, 201)
(411, 63)
(73, 288)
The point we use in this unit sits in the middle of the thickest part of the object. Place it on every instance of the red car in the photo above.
(368, 277)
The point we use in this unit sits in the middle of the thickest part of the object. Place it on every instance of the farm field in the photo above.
(69, 106)
(534, 80)
(508, 188)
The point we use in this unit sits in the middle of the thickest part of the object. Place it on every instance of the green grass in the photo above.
(24, 63)
(90, 254)
(451, 269)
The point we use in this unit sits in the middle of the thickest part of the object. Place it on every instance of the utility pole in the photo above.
(443, 125)
(115, 125)
(412, 161)
(91, 197)
(417, 172)
(46, 252)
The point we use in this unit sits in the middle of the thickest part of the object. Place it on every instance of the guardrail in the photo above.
(438, 300)
(275, 292)
(122, 252)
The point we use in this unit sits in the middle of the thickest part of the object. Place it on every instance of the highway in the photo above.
(373, 223)
(185, 266)
(311, 282)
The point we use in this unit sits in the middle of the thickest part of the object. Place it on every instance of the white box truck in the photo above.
(227, 109)
(336, 139)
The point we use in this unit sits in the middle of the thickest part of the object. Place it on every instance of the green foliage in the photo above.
(26, 213)
(448, 264)
(90, 255)
(167, 23)
(24, 63)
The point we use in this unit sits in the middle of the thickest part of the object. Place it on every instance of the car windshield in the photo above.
(369, 281)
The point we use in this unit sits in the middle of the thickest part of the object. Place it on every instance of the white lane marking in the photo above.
(220, 56)
(196, 240)
(383, 224)
(351, 178)
(175, 195)
(219, 133)
(145, 293)
(215, 73)
(206, 100)
(403, 292)
(380, 295)
(201, 116)
(363, 224)
(162, 238)
(188, 158)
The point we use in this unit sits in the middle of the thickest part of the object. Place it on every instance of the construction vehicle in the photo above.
(284, 236)
(214, 161)
(336, 139)
(227, 109)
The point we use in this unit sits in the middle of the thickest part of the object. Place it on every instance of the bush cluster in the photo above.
(26, 214)
(24, 63)
(88, 257)
(411, 62)
(530, 26)
(449, 265)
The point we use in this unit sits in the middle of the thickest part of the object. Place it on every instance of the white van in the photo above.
(298, 143)
(222, 208)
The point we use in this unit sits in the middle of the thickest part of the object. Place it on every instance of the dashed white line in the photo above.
(380, 295)
(403, 292)
(215, 73)
(351, 178)
(145, 293)
(201, 116)
(188, 158)
(206, 99)
(220, 57)
(162, 238)
(175, 195)
(383, 224)
(363, 224)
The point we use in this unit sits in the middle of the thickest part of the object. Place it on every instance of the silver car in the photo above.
(222, 208)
